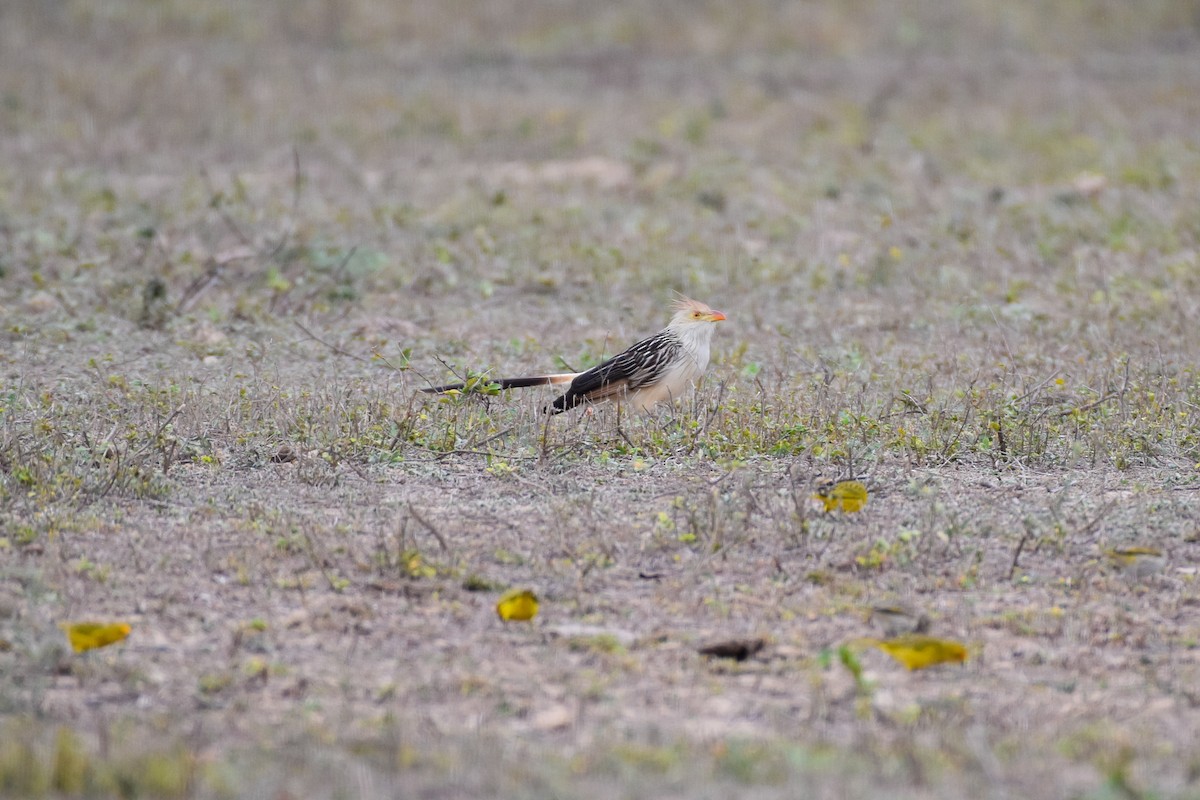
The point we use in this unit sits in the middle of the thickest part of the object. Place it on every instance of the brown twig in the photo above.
(228, 220)
(429, 527)
(332, 347)
(211, 276)
(1025, 537)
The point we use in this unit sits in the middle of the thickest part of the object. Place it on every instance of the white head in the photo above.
(690, 313)
(694, 324)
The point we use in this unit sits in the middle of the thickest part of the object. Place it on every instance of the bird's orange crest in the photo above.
(688, 304)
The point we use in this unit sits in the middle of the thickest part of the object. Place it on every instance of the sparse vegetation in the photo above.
(958, 253)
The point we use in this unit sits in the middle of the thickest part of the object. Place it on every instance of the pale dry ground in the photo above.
(958, 252)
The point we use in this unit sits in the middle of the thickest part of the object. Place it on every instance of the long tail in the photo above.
(512, 383)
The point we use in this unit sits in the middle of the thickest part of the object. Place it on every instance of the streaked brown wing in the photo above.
(640, 365)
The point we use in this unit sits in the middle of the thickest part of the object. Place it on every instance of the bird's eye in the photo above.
(696, 315)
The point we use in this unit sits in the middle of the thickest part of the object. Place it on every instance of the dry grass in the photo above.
(958, 252)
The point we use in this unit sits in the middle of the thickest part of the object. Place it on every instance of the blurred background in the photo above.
(462, 149)
(124, 82)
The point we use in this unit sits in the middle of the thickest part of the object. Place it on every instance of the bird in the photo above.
(657, 369)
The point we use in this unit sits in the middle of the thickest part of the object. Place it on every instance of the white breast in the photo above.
(680, 379)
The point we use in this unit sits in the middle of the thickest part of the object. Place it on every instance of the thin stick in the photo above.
(211, 276)
(1012, 569)
(332, 347)
(429, 527)
(493, 437)
(228, 220)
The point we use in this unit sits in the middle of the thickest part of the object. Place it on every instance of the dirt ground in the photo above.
(958, 251)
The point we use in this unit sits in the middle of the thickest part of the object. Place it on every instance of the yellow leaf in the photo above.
(917, 651)
(517, 604)
(846, 496)
(90, 635)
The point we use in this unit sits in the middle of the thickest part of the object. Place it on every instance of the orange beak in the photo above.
(717, 316)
